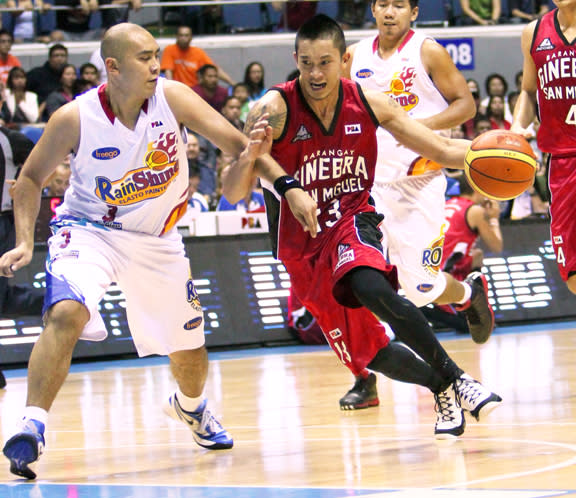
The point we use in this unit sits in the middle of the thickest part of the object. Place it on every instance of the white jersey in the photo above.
(133, 180)
(404, 78)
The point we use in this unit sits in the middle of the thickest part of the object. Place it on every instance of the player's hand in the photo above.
(515, 128)
(304, 209)
(13, 260)
(11, 187)
(260, 137)
(491, 208)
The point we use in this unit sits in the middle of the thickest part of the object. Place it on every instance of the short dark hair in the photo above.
(321, 27)
(205, 68)
(57, 46)
(5, 32)
(228, 99)
(413, 3)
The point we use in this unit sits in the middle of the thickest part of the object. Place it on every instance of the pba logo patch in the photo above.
(334, 334)
(345, 255)
(193, 324)
(353, 129)
(192, 295)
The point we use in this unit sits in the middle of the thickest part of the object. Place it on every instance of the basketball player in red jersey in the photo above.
(469, 216)
(549, 78)
(324, 130)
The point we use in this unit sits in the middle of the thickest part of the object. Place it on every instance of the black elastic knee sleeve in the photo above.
(399, 363)
(374, 291)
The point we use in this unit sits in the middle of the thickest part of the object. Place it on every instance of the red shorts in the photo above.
(563, 213)
(352, 331)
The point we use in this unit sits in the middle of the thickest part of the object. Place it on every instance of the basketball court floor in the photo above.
(108, 438)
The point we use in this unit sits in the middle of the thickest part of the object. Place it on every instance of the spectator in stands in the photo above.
(181, 61)
(196, 204)
(231, 111)
(25, 20)
(208, 87)
(81, 85)
(240, 91)
(496, 112)
(7, 60)
(111, 17)
(58, 182)
(475, 91)
(294, 13)
(63, 94)
(352, 14)
(481, 124)
(252, 203)
(89, 72)
(254, 79)
(483, 12)
(522, 11)
(208, 165)
(44, 79)
(22, 104)
(494, 84)
(74, 24)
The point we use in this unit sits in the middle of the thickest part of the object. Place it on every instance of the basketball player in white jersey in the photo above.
(128, 188)
(418, 73)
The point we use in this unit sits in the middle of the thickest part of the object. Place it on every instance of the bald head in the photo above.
(120, 38)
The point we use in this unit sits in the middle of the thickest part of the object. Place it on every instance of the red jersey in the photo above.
(555, 60)
(335, 165)
(459, 236)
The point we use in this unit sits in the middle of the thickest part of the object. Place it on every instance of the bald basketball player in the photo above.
(116, 224)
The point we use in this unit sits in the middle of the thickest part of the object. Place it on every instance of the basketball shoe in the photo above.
(477, 309)
(206, 430)
(450, 421)
(25, 448)
(362, 395)
(474, 397)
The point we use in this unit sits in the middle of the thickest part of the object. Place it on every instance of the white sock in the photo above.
(36, 413)
(467, 293)
(188, 404)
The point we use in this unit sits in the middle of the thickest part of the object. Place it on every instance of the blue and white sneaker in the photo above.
(206, 430)
(25, 448)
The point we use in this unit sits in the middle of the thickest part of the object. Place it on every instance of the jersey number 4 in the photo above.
(571, 116)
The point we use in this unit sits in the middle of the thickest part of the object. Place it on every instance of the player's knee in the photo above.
(571, 284)
(67, 316)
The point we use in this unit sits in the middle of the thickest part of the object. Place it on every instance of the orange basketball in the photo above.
(157, 159)
(500, 164)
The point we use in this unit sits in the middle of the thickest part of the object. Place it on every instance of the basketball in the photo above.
(500, 164)
(157, 159)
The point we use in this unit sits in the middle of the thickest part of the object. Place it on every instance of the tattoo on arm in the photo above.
(275, 119)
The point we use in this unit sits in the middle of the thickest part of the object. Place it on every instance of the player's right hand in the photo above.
(304, 209)
(515, 128)
(13, 260)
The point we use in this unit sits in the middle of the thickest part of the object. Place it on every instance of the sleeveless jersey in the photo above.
(134, 180)
(458, 232)
(335, 166)
(404, 78)
(555, 61)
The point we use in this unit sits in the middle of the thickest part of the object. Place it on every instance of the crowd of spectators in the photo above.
(28, 98)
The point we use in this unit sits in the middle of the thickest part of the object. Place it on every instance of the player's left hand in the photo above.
(304, 209)
(260, 137)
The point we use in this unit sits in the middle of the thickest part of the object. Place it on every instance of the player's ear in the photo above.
(295, 55)
(111, 64)
(345, 58)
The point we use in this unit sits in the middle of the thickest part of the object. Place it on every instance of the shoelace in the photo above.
(467, 389)
(209, 422)
(443, 406)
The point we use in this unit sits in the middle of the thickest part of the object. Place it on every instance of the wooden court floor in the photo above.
(107, 436)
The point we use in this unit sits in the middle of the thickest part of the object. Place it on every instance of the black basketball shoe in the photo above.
(362, 395)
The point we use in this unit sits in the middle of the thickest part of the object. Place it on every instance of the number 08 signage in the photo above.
(461, 50)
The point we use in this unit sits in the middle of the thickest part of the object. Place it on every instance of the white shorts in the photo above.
(163, 309)
(413, 228)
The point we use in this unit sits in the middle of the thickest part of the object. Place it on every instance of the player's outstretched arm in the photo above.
(303, 207)
(414, 135)
(525, 110)
(59, 137)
